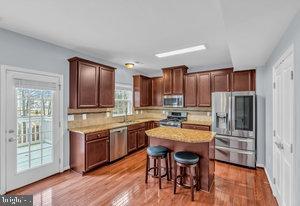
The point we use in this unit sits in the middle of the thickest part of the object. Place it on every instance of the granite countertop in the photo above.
(198, 122)
(98, 128)
(182, 135)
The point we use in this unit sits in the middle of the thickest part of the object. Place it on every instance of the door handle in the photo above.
(279, 145)
(12, 139)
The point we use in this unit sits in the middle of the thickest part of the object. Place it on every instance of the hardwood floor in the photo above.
(122, 183)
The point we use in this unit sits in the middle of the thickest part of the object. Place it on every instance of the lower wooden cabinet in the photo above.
(141, 138)
(196, 127)
(132, 141)
(136, 137)
(97, 152)
(88, 151)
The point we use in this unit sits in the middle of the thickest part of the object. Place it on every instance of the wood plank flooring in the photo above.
(122, 183)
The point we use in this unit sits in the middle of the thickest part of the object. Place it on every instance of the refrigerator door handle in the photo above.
(229, 116)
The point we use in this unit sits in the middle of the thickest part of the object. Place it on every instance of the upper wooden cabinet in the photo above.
(197, 90)
(107, 87)
(142, 91)
(157, 91)
(92, 85)
(243, 80)
(190, 84)
(88, 81)
(203, 89)
(220, 80)
(174, 80)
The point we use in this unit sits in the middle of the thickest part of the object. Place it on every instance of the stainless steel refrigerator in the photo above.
(234, 121)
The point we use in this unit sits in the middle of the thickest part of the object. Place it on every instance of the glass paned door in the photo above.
(33, 146)
(34, 127)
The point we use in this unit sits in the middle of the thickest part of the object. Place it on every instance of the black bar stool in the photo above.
(157, 153)
(186, 160)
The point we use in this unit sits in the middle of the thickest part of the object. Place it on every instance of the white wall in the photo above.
(290, 37)
(22, 51)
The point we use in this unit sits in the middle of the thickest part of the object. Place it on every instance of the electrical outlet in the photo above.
(137, 112)
(107, 114)
(70, 118)
(84, 116)
(141, 111)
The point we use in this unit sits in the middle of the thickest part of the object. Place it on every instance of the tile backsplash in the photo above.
(106, 117)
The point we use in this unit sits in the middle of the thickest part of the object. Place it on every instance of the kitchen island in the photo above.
(197, 141)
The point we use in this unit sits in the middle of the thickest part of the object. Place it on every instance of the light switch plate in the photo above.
(84, 116)
(137, 112)
(70, 118)
(107, 114)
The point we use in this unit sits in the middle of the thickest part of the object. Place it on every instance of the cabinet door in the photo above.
(204, 90)
(141, 138)
(144, 92)
(168, 81)
(190, 85)
(96, 152)
(178, 81)
(220, 80)
(242, 81)
(157, 91)
(107, 87)
(132, 140)
(88, 84)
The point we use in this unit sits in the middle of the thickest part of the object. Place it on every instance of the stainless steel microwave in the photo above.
(173, 101)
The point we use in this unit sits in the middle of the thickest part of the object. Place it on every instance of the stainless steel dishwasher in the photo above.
(118, 143)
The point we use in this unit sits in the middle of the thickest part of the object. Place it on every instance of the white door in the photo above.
(32, 128)
(283, 129)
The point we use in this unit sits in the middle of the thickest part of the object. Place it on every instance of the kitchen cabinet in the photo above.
(220, 80)
(203, 89)
(136, 137)
(142, 93)
(190, 84)
(157, 91)
(173, 78)
(88, 151)
(243, 81)
(141, 138)
(132, 141)
(196, 127)
(107, 87)
(168, 81)
(97, 152)
(92, 84)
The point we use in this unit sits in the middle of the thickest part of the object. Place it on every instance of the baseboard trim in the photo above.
(270, 182)
(260, 165)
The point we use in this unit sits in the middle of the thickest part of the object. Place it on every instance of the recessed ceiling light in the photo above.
(182, 51)
(129, 65)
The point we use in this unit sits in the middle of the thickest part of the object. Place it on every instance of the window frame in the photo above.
(128, 88)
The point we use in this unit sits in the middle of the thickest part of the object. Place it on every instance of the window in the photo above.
(123, 101)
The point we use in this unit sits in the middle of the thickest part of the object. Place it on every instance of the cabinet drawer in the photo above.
(197, 127)
(234, 142)
(96, 135)
(135, 126)
(236, 156)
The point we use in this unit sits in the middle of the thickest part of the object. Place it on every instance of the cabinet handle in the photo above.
(107, 140)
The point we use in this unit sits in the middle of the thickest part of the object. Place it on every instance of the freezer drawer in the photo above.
(236, 156)
(235, 142)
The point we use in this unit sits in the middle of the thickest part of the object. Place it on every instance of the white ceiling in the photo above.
(133, 30)
(254, 27)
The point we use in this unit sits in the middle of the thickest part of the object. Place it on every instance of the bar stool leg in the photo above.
(155, 168)
(198, 176)
(170, 166)
(159, 171)
(147, 168)
(192, 183)
(175, 177)
(167, 168)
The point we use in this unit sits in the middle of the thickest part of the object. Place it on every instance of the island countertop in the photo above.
(181, 135)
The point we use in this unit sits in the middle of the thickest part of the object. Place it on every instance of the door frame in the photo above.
(289, 51)
(3, 82)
